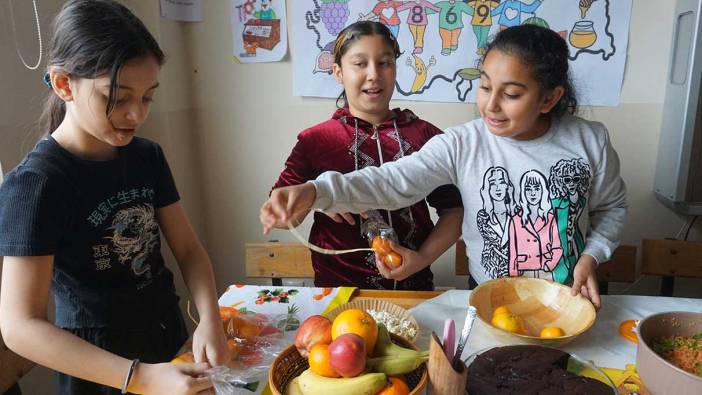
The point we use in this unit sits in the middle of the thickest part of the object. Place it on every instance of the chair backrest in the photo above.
(620, 268)
(278, 260)
(670, 259)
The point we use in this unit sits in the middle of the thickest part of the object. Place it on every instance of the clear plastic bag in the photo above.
(376, 226)
(255, 340)
(378, 233)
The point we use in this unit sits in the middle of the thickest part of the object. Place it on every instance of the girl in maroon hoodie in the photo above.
(363, 132)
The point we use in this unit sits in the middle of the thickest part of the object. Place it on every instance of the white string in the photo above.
(291, 228)
(14, 36)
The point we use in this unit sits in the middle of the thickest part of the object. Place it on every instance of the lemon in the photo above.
(508, 322)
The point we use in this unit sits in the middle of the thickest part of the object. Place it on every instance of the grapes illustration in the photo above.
(334, 14)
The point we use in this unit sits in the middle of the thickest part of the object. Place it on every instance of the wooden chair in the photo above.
(670, 259)
(278, 260)
(620, 268)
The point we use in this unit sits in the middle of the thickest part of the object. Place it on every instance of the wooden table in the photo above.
(406, 299)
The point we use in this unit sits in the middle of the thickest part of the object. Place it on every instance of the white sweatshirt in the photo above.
(530, 207)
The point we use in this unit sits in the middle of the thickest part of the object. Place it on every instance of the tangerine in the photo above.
(551, 332)
(393, 260)
(501, 310)
(507, 322)
(320, 362)
(381, 245)
(359, 322)
(396, 387)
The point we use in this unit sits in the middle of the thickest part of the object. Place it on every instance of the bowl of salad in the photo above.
(669, 352)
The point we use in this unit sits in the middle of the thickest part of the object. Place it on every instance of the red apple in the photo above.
(315, 329)
(347, 354)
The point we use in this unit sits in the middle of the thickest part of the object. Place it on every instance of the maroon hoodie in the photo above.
(346, 143)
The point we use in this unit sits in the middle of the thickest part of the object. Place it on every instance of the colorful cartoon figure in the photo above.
(417, 20)
(420, 69)
(512, 10)
(266, 12)
(499, 206)
(569, 181)
(386, 12)
(451, 23)
(482, 21)
(534, 243)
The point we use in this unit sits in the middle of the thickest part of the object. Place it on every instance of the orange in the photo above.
(359, 322)
(501, 310)
(395, 387)
(226, 312)
(381, 245)
(551, 332)
(508, 322)
(393, 260)
(242, 326)
(320, 362)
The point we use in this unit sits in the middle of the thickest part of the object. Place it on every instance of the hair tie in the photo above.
(47, 80)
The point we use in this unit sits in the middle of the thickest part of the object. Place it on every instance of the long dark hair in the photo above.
(545, 53)
(92, 38)
(353, 33)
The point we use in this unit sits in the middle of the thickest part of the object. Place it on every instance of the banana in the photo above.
(293, 387)
(397, 364)
(366, 384)
(385, 347)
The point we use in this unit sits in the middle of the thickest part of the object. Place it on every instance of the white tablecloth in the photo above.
(602, 344)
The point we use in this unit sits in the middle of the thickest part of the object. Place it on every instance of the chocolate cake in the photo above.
(525, 370)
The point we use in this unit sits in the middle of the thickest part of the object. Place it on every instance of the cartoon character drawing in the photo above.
(266, 12)
(325, 59)
(417, 20)
(511, 12)
(499, 206)
(451, 23)
(420, 69)
(568, 182)
(386, 12)
(482, 21)
(135, 236)
(534, 243)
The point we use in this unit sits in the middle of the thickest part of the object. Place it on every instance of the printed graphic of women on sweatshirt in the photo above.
(569, 181)
(497, 194)
(534, 243)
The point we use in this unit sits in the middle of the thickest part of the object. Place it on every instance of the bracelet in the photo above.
(132, 367)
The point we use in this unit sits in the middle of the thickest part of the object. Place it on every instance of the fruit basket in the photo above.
(290, 364)
(381, 306)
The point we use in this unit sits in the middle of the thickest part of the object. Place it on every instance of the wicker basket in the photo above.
(377, 305)
(290, 364)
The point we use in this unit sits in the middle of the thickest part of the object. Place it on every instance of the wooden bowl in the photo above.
(378, 305)
(658, 375)
(290, 364)
(538, 303)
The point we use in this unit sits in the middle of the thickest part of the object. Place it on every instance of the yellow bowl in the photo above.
(538, 303)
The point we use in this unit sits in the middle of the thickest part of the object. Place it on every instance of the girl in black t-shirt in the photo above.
(82, 215)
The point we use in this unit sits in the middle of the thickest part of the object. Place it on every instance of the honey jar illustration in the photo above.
(583, 34)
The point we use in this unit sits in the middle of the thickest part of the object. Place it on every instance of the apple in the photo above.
(347, 354)
(315, 329)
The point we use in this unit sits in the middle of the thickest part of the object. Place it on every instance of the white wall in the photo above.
(227, 128)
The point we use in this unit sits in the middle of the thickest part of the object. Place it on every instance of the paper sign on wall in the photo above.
(442, 40)
(259, 30)
(182, 10)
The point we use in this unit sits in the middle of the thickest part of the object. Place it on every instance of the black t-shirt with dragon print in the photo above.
(98, 220)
